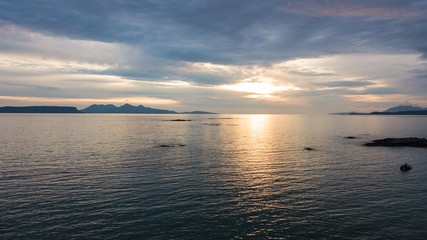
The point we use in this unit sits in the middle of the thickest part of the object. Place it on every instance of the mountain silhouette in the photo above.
(95, 108)
(126, 108)
(404, 108)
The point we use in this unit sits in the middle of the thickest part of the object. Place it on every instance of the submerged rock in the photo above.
(405, 167)
(179, 120)
(164, 145)
(169, 146)
(399, 142)
(351, 137)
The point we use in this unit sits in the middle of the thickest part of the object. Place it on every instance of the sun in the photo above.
(258, 87)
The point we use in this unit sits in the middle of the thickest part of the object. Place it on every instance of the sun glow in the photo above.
(263, 87)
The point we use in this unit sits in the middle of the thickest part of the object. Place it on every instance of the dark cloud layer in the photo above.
(232, 31)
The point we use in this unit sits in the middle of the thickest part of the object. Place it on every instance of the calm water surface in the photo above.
(89, 176)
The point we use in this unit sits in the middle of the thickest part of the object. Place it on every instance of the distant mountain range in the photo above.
(398, 110)
(126, 108)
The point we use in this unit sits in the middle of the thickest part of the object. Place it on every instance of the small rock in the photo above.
(405, 167)
(164, 145)
(308, 148)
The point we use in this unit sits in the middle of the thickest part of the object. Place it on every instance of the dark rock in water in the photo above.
(179, 120)
(308, 148)
(164, 145)
(405, 167)
(351, 137)
(399, 142)
(169, 146)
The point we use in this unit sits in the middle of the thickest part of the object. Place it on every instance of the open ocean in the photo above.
(112, 176)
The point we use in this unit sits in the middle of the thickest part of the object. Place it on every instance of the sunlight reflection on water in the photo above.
(234, 176)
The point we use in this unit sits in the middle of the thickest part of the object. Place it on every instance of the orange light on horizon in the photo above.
(134, 100)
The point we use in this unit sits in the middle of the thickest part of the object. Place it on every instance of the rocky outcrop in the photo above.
(405, 167)
(399, 142)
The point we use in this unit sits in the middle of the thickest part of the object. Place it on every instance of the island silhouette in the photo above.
(398, 110)
(95, 108)
(39, 109)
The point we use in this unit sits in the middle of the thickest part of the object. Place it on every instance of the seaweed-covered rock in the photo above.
(399, 142)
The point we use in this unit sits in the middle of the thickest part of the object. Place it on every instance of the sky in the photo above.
(306, 56)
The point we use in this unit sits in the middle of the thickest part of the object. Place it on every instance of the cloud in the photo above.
(224, 31)
(350, 9)
(345, 84)
(40, 64)
(48, 88)
(199, 53)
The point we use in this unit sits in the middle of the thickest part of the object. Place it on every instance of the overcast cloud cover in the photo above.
(222, 56)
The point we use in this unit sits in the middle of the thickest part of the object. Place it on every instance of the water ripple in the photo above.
(246, 178)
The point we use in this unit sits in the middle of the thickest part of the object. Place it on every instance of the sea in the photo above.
(136, 176)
